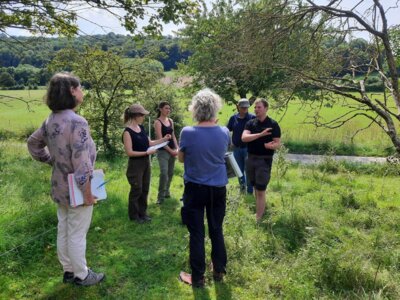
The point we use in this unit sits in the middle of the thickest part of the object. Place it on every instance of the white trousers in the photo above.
(73, 225)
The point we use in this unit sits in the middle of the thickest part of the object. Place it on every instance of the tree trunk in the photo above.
(106, 139)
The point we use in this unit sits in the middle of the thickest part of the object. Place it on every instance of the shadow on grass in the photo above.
(201, 294)
(222, 291)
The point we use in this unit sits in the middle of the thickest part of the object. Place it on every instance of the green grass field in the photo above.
(306, 138)
(17, 120)
(331, 232)
(17, 117)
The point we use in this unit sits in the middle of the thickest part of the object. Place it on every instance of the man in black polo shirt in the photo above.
(263, 136)
(236, 125)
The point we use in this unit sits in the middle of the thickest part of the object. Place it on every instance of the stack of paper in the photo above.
(97, 184)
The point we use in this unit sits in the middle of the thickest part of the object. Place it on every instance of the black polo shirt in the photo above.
(255, 126)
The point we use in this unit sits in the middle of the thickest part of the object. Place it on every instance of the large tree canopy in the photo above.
(304, 49)
(59, 17)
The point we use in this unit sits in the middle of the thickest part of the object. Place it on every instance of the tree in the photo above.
(299, 49)
(6, 80)
(113, 83)
(372, 19)
(59, 17)
(224, 56)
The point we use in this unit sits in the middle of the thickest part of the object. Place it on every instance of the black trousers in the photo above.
(196, 198)
(138, 174)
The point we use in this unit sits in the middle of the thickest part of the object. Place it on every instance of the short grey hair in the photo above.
(205, 105)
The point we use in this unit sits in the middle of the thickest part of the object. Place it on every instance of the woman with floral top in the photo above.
(64, 142)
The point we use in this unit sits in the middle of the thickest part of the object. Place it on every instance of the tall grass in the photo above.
(300, 137)
(331, 232)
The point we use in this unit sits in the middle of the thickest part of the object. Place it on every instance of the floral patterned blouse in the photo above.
(64, 142)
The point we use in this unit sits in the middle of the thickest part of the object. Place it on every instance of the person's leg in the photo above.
(260, 204)
(171, 166)
(193, 217)
(62, 238)
(215, 217)
(134, 175)
(248, 183)
(163, 157)
(145, 189)
(79, 220)
(250, 171)
(263, 175)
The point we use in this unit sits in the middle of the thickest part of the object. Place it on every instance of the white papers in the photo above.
(163, 144)
(97, 185)
(232, 168)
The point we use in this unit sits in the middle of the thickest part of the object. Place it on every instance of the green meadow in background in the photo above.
(17, 121)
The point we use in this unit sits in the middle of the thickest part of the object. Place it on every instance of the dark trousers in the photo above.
(138, 174)
(197, 197)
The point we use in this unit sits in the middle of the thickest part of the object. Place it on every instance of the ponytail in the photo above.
(161, 105)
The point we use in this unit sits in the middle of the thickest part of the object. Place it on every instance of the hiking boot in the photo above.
(92, 278)
(68, 277)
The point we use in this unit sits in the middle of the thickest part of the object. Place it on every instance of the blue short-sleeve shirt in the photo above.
(204, 149)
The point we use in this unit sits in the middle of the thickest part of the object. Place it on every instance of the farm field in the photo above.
(297, 136)
(331, 232)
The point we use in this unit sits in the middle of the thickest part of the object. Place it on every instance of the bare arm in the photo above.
(181, 156)
(128, 147)
(247, 136)
(274, 145)
(157, 128)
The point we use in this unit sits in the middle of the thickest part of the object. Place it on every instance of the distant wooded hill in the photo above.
(23, 60)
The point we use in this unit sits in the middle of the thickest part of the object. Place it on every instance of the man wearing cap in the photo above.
(263, 136)
(236, 124)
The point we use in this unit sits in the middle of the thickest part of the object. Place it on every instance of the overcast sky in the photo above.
(95, 21)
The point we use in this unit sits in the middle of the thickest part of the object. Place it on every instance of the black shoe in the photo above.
(68, 277)
(146, 218)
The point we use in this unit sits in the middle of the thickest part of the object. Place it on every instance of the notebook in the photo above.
(97, 184)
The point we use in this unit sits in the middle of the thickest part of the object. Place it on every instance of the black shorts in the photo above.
(258, 171)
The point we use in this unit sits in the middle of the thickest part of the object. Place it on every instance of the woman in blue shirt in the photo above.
(202, 149)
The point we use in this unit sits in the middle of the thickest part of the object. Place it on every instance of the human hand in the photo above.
(167, 137)
(270, 145)
(90, 199)
(151, 151)
(174, 152)
(266, 131)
